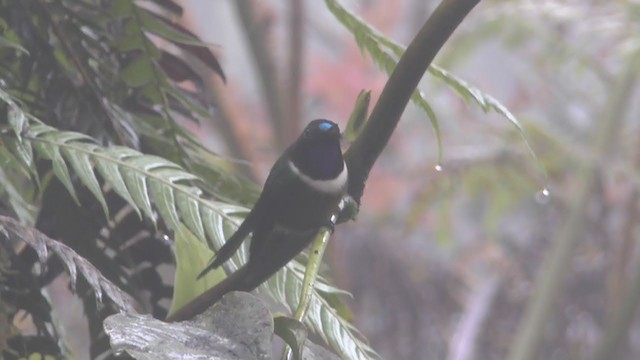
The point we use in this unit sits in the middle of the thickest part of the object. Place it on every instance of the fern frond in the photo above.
(286, 287)
(74, 263)
(377, 46)
(385, 53)
(144, 181)
(149, 184)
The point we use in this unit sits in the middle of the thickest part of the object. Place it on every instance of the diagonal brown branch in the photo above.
(361, 156)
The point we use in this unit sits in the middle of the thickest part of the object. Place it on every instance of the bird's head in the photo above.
(317, 151)
(321, 130)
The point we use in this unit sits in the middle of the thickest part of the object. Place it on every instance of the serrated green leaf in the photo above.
(213, 226)
(82, 165)
(335, 301)
(51, 152)
(173, 173)
(154, 25)
(131, 172)
(17, 118)
(60, 169)
(41, 130)
(74, 263)
(358, 116)
(68, 136)
(125, 44)
(137, 185)
(7, 98)
(138, 72)
(110, 171)
(191, 105)
(190, 210)
(24, 153)
(4, 42)
(218, 227)
(14, 181)
(18, 121)
(133, 38)
(120, 8)
(486, 103)
(420, 100)
(165, 202)
(152, 93)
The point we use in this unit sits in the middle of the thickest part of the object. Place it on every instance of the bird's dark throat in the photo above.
(319, 159)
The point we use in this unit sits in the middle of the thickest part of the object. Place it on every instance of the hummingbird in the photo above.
(301, 193)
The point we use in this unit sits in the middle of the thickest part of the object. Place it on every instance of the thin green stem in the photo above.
(310, 276)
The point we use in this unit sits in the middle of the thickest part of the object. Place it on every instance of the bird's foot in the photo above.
(330, 225)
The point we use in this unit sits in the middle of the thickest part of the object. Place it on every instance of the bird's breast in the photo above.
(329, 186)
(310, 203)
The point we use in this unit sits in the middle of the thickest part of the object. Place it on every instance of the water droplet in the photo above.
(438, 168)
(167, 239)
(543, 196)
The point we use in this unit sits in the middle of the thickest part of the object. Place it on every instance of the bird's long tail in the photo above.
(242, 279)
(230, 246)
(282, 247)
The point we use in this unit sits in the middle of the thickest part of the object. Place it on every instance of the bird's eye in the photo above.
(325, 126)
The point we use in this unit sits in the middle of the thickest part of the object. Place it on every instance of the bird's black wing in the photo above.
(260, 218)
(231, 246)
(274, 197)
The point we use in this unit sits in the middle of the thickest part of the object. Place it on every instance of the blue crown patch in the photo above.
(325, 126)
